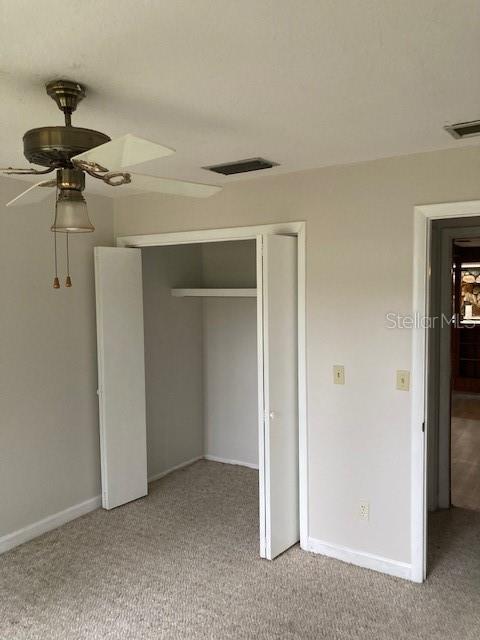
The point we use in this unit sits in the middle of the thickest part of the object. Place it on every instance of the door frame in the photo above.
(421, 352)
(297, 229)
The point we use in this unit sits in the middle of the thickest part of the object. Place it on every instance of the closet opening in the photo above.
(201, 383)
(198, 347)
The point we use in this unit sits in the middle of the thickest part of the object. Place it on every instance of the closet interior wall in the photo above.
(200, 355)
(230, 354)
(173, 357)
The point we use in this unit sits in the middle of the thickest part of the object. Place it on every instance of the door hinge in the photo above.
(423, 427)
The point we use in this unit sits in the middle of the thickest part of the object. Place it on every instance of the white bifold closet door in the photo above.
(278, 466)
(121, 374)
(118, 278)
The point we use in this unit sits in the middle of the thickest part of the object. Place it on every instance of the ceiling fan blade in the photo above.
(149, 184)
(33, 194)
(126, 151)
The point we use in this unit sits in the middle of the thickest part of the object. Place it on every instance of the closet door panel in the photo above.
(280, 394)
(121, 374)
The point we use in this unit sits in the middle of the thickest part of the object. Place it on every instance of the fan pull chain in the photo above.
(68, 281)
(56, 281)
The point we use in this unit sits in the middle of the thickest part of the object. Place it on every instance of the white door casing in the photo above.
(292, 228)
(423, 216)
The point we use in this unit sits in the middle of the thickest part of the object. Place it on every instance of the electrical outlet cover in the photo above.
(364, 511)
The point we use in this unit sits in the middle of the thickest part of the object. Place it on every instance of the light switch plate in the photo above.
(403, 380)
(338, 374)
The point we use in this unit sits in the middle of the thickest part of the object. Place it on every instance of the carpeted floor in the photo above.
(183, 564)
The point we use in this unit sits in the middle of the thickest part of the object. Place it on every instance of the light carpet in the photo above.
(183, 563)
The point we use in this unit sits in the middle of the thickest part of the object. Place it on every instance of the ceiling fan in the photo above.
(74, 151)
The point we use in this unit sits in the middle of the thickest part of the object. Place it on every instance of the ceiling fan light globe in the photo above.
(71, 214)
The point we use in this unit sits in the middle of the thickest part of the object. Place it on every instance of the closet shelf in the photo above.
(215, 293)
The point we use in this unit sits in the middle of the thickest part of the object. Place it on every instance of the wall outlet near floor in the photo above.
(403, 380)
(364, 511)
(338, 374)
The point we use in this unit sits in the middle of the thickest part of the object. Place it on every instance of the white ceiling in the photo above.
(305, 83)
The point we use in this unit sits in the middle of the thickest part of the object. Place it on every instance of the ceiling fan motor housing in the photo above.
(55, 146)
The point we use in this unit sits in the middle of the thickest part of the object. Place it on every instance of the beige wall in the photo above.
(359, 267)
(49, 444)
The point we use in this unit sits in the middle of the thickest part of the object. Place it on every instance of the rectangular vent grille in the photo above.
(242, 166)
(464, 129)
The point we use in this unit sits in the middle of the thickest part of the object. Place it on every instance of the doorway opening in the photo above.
(453, 374)
(465, 404)
(221, 332)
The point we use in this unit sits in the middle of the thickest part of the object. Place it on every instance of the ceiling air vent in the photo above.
(242, 166)
(464, 129)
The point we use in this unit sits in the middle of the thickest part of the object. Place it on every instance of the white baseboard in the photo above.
(187, 463)
(360, 558)
(227, 461)
(162, 474)
(31, 531)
